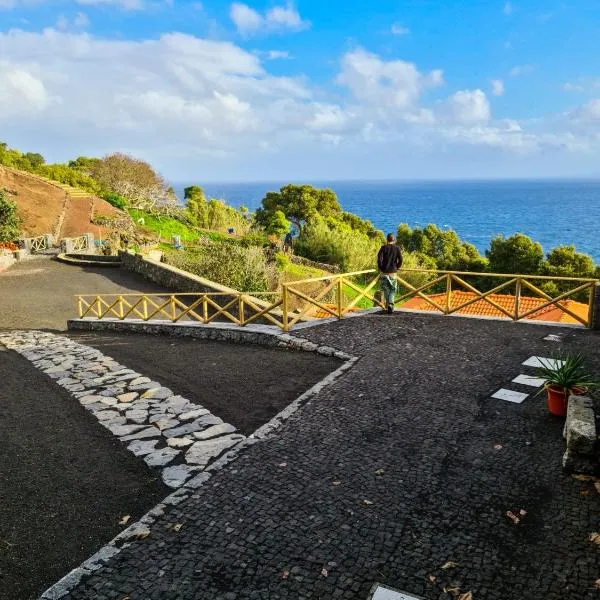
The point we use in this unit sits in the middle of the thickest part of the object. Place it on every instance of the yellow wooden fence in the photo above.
(336, 295)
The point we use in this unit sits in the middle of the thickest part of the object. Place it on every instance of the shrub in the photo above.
(9, 220)
(244, 269)
(116, 200)
(341, 246)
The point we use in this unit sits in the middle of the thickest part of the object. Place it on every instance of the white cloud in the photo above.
(80, 21)
(285, 17)
(394, 84)
(573, 87)
(469, 106)
(21, 92)
(507, 9)
(520, 70)
(590, 112)
(398, 29)
(497, 87)
(245, 19)
(277, 19)
(277, 54)
(124, 4)
(186, 104)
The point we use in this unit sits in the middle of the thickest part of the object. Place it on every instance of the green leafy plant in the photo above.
(567, 371)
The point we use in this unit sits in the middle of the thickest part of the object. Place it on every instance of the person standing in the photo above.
(389, 260)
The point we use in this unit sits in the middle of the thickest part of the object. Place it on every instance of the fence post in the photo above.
(339, 297)
(284, 307)
(241, 309)
(595, 322)
(518, 299)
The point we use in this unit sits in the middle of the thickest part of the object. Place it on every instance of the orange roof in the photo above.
(481, 308)
(323, 314)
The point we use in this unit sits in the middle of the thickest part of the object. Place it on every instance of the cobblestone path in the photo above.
(40, 293)
(401, 466)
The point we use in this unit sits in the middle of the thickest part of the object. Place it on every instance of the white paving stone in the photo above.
(214, 431)
(106, 415)
(202, 452)
(510, 396)
(536, 361)
(145, 433)
(176, 476)
(181, 442)
(385, 593)
(161, 457)
(130, 397)
(142, 447)
(193, 414)
(529, 380)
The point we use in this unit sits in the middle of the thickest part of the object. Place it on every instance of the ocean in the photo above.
(552, 212)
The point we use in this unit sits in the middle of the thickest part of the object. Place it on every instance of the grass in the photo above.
(164, 227)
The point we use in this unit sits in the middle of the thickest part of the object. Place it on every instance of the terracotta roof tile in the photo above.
(482, 308)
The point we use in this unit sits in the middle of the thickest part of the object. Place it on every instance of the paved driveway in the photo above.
(401, 466)
(39, 293)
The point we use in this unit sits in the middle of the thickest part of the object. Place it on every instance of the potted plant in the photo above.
(563, 376)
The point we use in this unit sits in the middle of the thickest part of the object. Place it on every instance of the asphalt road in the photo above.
(40, 293)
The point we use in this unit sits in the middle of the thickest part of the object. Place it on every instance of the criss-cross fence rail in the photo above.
(514, 297)
(80, 243)
(240, 309)
(38, 244)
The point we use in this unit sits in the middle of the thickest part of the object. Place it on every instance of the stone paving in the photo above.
(168, 431)
(403, 472)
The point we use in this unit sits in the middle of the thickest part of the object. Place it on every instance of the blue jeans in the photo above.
(389, 287)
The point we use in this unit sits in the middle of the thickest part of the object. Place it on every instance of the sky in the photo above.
(274, 90)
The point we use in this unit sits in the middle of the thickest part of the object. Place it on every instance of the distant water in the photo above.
(552, 212)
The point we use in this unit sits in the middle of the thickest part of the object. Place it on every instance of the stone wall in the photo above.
(580, 436)
(300, 260)
(177, 280)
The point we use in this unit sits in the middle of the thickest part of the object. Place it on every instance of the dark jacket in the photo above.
(389, 258)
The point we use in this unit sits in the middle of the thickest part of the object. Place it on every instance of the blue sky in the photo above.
(261, 90)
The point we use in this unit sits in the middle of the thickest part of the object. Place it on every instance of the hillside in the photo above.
(49, 207)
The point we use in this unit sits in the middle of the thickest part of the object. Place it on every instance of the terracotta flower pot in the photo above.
(557, 399)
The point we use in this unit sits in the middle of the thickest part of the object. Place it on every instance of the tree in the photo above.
(564, 261)
(133, 178)
(516, 254)
(298, 203)
(34, 159)
(278, 225)
(9, 220)
(448, 251)
(196, 205)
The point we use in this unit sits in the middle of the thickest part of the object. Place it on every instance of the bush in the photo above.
(255, 238)
(341, 246)
(9, 221)
(244, 269)
(116, 200)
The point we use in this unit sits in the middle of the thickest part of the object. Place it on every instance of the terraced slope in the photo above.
(51, 207)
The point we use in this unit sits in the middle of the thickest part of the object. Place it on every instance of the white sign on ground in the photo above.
(382, 592)
(529, 380)
(510, 396)
(540, 361)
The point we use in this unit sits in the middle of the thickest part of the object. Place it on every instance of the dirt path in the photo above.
(39, 293)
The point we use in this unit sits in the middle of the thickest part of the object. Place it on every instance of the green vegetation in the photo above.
(9, 221)
(324, 232)
(231, 265)
(164, 227)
